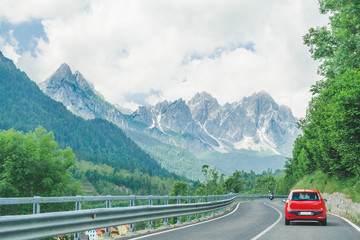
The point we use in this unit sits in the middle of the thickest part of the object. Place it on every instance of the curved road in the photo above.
(259, 220)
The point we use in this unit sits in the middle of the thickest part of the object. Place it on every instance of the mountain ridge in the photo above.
(201, 124)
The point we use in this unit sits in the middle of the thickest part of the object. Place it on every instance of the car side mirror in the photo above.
(325, 200)
(283, 200)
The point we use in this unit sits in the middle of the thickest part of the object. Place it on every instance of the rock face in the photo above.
(256, 122)
(201, 124)
(79, 96)
(339, 204)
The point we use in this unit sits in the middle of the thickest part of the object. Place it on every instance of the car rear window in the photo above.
(305, 196)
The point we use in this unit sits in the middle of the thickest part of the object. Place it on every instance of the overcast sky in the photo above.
(145, 51)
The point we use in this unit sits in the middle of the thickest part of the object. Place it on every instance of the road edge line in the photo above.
(348, 221)
(187, 226)
(263, 232)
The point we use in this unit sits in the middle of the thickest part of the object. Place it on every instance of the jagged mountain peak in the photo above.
(79, 95)
(63, 73)
(260, 103)
(262, 95)
(178, 102)
(203, 96)
(64, 68)
(202, 105)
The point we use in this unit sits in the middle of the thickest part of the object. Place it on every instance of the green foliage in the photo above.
(214, 184)
(265, 184)
(107, 180)
(179, 189)
(239, 181)
(234, 183)
(331, 131)
(331, 128)
(337, 45)
(31, 165)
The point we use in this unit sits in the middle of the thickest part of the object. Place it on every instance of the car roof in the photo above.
(305, 190)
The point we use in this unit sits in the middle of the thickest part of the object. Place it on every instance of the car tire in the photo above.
(287, 222)
(323, 223)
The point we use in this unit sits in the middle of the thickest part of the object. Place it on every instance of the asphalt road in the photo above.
(260, 220)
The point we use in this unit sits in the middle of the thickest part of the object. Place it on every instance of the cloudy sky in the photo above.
(144, 51)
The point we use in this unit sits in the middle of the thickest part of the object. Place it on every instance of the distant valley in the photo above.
(254, 133)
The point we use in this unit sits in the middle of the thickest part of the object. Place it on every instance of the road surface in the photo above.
(259, 220)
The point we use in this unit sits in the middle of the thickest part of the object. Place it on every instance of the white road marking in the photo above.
(348, 221)
(192, 225)
(263, 232)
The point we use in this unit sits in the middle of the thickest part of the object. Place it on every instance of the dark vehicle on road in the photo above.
(305, 205)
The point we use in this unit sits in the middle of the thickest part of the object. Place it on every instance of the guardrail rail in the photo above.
(39, 225)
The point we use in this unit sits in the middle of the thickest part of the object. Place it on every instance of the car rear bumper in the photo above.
(298, 215)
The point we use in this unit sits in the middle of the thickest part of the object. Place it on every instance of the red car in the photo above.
(305, 205)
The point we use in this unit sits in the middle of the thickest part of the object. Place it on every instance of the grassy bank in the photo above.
(327, 184)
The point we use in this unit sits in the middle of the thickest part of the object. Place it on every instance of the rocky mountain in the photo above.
(254, 123)
(79, 96)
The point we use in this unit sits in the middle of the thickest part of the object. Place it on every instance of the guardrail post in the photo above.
(77, 208)
(196, 201)
(203, 214)
(179, 217)
(108, 205)
(166, 202)
(222, 198)
(213, 199)
(208, 199)
(36, 206)
(150, 203)
(132, 203)
(188, 217)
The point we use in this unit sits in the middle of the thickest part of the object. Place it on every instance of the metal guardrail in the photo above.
(39, 225)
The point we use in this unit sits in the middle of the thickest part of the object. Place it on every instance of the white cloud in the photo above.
(9, 47)
(23, 10)
(177, 48)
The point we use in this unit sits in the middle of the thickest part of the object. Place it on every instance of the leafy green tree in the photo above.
(337, 45)
(31, 165)
(234, 183)
(214, 184)
(331, 128)
(180, 188)
(265, 184)
(341, 124)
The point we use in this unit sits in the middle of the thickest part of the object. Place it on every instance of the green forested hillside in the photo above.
(173, 158)
(24, 107)
(330, 142)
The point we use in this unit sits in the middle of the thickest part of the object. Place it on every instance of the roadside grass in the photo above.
(325, 183)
